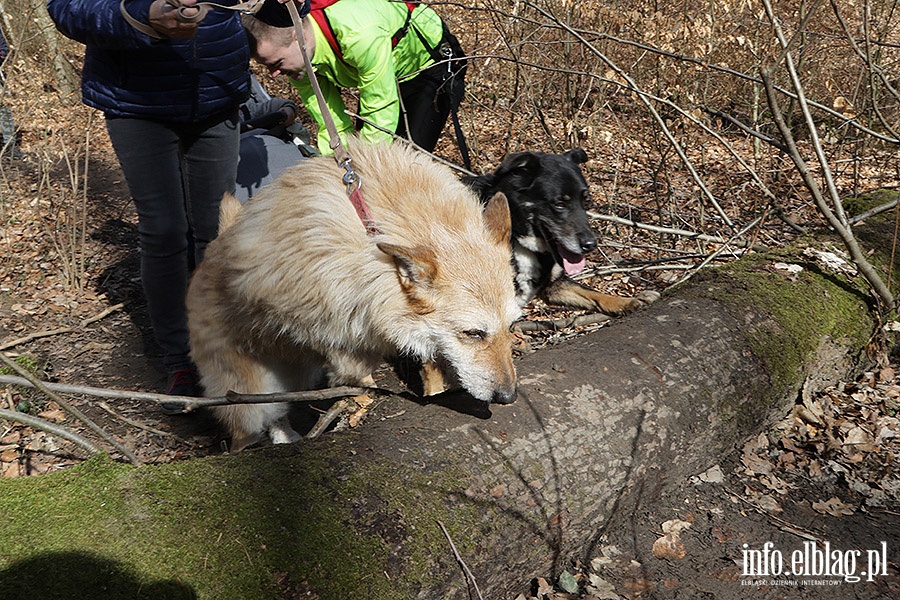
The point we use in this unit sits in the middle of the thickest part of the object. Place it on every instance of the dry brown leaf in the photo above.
(55, 415)
(834, 507)
(756, 465)
(669, 547)
(542, 587)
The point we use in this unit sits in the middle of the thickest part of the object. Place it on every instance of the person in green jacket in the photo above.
(408, 67)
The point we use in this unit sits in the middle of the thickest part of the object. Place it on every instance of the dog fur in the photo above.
(294, 293)
(547, 196)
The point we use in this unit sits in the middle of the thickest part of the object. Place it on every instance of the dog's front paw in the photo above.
(647, 297)
(282, 433)
(432, 379)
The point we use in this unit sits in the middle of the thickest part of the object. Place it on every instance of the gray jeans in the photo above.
(177, 174)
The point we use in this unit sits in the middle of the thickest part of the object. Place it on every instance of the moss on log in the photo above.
(603, 424)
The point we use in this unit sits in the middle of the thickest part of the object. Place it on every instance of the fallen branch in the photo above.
(42, 334)
(71, 410)
(189, 403)
(557, 324)
(52, 428)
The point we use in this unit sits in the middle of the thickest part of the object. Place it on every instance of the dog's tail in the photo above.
(229, 210)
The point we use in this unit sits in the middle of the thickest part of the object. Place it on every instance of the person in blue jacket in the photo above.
(170, 91)
(7, 124)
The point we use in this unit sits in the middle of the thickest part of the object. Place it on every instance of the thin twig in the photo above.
(469, 577)
(565, 323)
(871, 213)
(328, 417)
(719, 250)
(48, 333)
(131, 422)
(807, 115)
(679, 232)
(52, 428)
(72, 410)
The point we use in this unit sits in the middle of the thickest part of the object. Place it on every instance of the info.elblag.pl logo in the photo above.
(826, 565)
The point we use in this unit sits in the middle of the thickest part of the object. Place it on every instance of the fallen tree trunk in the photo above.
(604, 423)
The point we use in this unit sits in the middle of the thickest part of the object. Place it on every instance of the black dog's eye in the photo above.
(561, 203)
(475, 334)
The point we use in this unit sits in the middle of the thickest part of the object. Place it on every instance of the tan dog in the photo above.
(294, 287)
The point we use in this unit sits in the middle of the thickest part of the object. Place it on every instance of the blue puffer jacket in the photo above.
(128, 74)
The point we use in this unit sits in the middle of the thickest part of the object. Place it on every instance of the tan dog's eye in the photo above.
(475, 334)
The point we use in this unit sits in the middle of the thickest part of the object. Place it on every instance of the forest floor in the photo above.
(826, 477)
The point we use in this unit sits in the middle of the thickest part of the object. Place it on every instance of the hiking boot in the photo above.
(183, 382)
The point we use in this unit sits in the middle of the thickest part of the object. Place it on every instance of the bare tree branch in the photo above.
(51, 428)
(60, 330)
(843, 231)
(72, 410)
(189, 403)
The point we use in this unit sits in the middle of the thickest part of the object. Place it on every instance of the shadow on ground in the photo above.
(83, 576)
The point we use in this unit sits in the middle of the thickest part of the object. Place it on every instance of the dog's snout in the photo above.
(588, 244)
(504, 396)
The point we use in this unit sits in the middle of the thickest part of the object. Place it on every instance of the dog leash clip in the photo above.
(351, 178)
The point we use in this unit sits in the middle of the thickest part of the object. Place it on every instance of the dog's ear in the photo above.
(480, 184)
(577, 156)
(525, 165)
(416, 267)
(496, 217)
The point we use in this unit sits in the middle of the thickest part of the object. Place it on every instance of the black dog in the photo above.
(551, 234)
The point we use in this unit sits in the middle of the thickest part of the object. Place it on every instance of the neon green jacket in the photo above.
(363, 29)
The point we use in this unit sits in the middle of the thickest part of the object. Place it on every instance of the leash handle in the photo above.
(248, 7)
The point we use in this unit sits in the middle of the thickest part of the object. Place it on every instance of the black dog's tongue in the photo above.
(573, 263)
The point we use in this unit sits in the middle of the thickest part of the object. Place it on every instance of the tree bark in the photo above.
(63, 73)
(603, 425)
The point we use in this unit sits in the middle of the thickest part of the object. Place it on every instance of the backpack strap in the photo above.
(325, 26)
(318, 13)
(395, 39)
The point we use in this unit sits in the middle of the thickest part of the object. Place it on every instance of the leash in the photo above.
(248, 7)
(351, 178)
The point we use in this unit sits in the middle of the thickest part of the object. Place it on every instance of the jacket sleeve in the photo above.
(100, 22)
(336, 107)
(261, 103)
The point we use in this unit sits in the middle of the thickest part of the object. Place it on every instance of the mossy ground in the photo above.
(270, 523)
(210, 528)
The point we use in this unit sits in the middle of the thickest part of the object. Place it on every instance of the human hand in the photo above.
(290, 114)
(165, 18)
